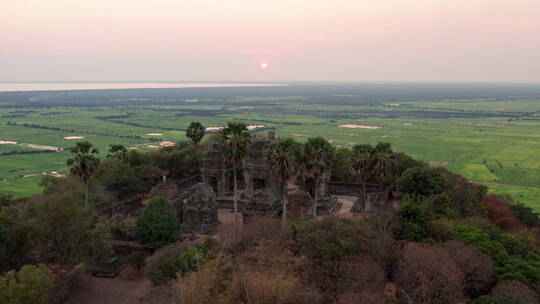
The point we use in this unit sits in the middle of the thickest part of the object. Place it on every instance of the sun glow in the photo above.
(264, 65)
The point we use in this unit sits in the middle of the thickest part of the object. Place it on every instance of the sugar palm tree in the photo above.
(282, 158)
(119, 152)
(84, 164)
(384, 160)
(235, 146)
(195, 132)
(362, 163)
(317, 159)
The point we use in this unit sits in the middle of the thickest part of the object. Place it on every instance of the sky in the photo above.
(299, 40)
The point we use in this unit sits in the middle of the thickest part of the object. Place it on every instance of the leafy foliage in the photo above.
(513, 258)
(118, 152)
(62, 231)
(158, 224)
(420, 181)
(32, 284)
(85, 162)
(195, 132)
(119, 178)
(236, 142)
(175, 260)
(137, 259)
(413, 218)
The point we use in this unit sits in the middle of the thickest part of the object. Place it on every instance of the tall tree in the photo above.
(317, 159)
(362, 164)
(282, 158)
(384, 160)
(119, 152)
(235, 145)
(84, 164)
(195, 132)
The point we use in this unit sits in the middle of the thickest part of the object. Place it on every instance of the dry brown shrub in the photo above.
(500, 213)
(515, 291)
(263, 228)
(476, 266)
(362, 273)
(363, 297)
(428, 275)
(206, 286)
(268, 287)
(67, 280)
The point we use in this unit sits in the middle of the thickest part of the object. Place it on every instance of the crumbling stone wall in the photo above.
(216, 170)
(257, 171)
(200, 209)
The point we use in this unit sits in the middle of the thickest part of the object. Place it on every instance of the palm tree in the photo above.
(282, 157)
(362, 163)
(235, 146)
(384, 160)
(84, 164)
(195, 132)
(317, 159)
(119, 152)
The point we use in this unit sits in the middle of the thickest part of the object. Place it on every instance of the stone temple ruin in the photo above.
(200, 209)
(257, 173)
(216, 171)
(308, 183)
(198, 199)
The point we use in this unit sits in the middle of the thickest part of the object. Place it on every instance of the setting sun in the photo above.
(264, 65)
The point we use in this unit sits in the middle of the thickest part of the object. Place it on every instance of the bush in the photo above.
(158, 224)
(126, 229)
(413, 218)
(333, 238)
(208, 285)
(477, 267)
(500, 213)
(466, 198)
(137, 260)
(268, 287)
(420, 181)
(515, 291)
(118, 178)
(62, 231)
(13, 240)
(176, 259)
(427, 274)
(32, 284)
(514, 259)
(492, 300)
(526, 214)
(66, 280)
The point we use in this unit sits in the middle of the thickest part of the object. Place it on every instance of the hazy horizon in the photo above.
(486, 41)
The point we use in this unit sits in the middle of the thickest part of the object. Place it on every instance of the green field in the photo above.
(492, 141)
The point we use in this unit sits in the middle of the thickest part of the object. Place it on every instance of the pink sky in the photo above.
(195, 40)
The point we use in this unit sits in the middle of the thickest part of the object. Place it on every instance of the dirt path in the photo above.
(127, 288)
(346, 205)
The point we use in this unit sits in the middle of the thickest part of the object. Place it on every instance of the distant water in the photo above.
(62, 86)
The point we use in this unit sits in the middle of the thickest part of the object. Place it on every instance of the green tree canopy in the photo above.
(317, 159)
(84, 164)
(158, 225)
(195, 132)
(119, 152)
(421, 181)
(32, 284)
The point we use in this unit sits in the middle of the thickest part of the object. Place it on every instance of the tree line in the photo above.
(447, 241)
